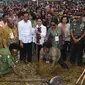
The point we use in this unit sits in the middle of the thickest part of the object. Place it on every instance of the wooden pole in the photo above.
(80, 76)
(24, 80)
(82, 80)
(51, 82)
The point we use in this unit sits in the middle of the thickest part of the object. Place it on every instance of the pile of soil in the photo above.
(44, 71)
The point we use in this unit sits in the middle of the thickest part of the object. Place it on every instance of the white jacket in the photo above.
(42, 34)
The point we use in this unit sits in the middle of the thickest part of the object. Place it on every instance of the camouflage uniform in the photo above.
(6, 61)
(78, 29)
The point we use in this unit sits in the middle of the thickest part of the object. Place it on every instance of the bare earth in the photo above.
(44, 71)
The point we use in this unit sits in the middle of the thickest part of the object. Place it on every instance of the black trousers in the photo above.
(26, 52)
(38, 48)
(77, 52)
(84, 45)
(65, 50)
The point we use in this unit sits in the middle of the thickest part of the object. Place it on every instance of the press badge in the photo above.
(11, 35)
(56, 38)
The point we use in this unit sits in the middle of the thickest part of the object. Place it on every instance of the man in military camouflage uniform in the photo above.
(7, 59)
(51, 55)
(77, 35)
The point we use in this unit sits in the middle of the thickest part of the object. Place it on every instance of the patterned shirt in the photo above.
(78, 28)
(10, 35)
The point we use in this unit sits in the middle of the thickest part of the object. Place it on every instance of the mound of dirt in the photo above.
(44, 71)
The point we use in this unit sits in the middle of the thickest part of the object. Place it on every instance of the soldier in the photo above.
(77, 40)
(7, 59)
(50, 54)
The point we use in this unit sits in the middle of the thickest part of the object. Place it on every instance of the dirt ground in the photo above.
(44, 71)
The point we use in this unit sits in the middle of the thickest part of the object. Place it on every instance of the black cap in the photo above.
(13, 46)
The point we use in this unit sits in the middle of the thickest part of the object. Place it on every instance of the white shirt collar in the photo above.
(26, 22)
(40, 26)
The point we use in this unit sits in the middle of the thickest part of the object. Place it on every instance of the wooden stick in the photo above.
(80, 76)
(82, 80)
(24, 80)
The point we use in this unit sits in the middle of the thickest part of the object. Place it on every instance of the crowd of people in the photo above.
(52, 32)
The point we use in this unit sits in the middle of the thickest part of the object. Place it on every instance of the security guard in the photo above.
(77, 39)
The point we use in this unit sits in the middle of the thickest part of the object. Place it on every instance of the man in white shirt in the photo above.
(25, 38)
(40, 35)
